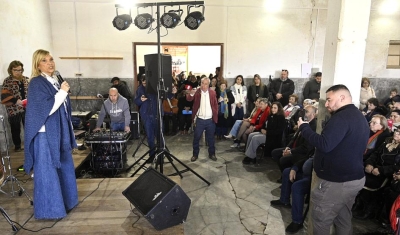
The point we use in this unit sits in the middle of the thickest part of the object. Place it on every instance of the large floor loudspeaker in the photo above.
(159, 199)
(152, 76)
(134, 125)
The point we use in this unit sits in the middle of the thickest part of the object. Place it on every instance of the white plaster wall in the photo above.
(24, 28)
(382, 29)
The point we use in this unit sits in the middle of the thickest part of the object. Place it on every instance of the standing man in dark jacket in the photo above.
(205, 115)
(282, 88)
(312, 88)
(338, 162)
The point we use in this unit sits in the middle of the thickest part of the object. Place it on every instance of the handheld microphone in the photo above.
(100, 96)
(60, 79)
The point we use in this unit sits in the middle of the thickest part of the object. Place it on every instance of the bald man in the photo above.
(117, 108)
(338, 162)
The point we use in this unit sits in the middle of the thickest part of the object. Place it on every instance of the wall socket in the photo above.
(78, 74)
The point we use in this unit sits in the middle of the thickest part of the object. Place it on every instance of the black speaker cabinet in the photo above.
(162, 202)
(152, 76)
(134, 125)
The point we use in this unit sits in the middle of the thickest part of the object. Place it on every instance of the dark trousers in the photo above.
(15, 124)
(170, 118)
(151, 128)
(202, 125)
(185, 122)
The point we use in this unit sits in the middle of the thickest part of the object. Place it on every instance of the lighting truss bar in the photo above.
(164, 4)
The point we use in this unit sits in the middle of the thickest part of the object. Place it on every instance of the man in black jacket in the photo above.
(282, 88)
(338, 162)
(298, 147)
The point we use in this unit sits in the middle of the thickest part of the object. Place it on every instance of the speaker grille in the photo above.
(148, 190)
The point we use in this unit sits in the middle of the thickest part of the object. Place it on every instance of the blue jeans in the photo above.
(299, 188)
(235, 129)
(151, 128)
(201, 126)
(115, 126)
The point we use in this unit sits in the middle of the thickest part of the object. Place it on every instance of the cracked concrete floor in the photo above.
(238, 199)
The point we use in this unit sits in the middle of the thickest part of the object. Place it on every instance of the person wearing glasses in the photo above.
(381, 165)
(14, 91)
(282, 88)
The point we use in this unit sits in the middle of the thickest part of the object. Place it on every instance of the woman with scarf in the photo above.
(225, 101)
(380, 166)
(379, 132)
(49, 141)
(239, 91)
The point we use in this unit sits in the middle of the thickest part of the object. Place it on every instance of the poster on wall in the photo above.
(179, 56)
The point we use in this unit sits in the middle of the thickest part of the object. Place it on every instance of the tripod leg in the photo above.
(130, 167)
(173, 165)
(140, 144)
(4, 213)
(183, 164)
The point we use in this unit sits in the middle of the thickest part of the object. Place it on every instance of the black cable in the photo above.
(35, 231)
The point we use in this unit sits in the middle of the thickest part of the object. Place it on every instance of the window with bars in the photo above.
(393, 60)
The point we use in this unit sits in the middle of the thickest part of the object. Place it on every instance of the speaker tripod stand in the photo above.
(10, 177)
(161, 151)
(5, 215)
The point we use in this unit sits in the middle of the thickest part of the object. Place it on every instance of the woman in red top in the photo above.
(256, 123)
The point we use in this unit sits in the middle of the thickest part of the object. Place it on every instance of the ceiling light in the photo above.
(122, 22)
(194, 19)
(170, 20)
(143, 21)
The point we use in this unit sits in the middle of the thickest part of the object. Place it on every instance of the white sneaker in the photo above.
(235, 145)
(228, 136)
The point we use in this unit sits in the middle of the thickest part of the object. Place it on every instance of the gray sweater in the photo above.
(118, 112)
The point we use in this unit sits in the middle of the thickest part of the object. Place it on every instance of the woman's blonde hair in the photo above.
(36, 58)
(383, 121)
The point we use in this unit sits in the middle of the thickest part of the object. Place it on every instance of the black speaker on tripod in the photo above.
(162, 202)
(152, 76)
(134, 125)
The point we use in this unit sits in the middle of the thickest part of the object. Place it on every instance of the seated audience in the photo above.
(296, 181)
(366, 92)
(371, 109)
(291, 108)
(379, 132)
(295, 117)
(380, 166)
(270, 131)
(246, 121)
(256, 123)
(388, 102)
(298, 147)
(395, 119)
(396, 102)
(275, 127)
(225, 100)
(313, 87)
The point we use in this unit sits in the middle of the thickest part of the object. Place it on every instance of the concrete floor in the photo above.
(238, 199)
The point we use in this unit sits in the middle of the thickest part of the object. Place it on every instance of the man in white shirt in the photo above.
(205, 115)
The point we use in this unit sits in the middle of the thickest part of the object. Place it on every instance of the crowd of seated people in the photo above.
(246, 115)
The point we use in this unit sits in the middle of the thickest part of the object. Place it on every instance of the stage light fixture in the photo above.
(122, 22)
(143, 21)
(171, 19)
(194, 19)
